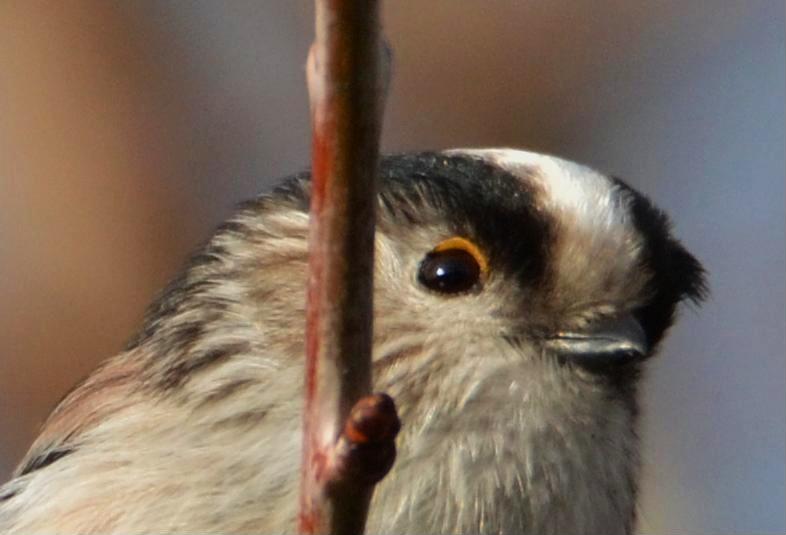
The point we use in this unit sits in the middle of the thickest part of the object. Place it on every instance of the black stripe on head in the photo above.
(676, 274)
(476, 199)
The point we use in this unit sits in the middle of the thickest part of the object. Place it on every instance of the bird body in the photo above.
(516, 298)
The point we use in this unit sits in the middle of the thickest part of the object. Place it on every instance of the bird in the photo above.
(517, 300)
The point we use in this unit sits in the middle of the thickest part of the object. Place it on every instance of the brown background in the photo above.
(129, 129)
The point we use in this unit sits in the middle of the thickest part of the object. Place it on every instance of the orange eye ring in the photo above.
(463, 244)
(455, 266)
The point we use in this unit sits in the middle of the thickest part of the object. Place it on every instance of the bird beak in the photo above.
(606, 343)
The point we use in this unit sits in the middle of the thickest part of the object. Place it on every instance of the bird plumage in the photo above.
(196, 426)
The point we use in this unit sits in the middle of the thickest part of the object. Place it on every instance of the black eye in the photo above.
(455, 266)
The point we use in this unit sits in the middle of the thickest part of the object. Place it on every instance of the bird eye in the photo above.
(454, 266)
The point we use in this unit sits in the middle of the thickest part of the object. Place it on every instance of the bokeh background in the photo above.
(128, 130)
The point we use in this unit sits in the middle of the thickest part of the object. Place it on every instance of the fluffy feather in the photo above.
(196, 426)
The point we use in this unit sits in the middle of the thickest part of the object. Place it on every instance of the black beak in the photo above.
(605, 344)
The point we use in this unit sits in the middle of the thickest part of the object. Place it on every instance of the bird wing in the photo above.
(107, 390)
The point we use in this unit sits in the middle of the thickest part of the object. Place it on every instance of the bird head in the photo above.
(516, 299)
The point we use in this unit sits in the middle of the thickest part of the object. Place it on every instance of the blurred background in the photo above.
(128, 130)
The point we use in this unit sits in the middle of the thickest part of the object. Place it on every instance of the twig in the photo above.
(347, 79)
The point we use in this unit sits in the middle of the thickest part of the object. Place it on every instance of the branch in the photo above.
(348, 446)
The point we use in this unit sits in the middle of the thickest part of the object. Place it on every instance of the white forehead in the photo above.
(595, 255)
(586, 196)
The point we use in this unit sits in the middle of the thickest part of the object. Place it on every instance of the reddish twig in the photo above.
(347, 79)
